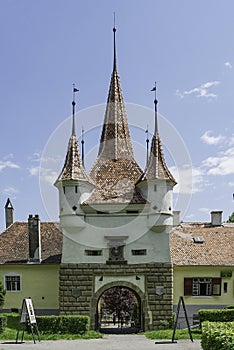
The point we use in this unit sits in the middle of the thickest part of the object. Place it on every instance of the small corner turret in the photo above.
(73, 183)
(157, 182)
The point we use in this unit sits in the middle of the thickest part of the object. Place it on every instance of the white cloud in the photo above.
(212, 140)
(46, 174)
(228, 64)
(222, 164)
(34, 170)
(204, 210)
(4, 164)
(190, 180)
(10, 191)
(200, 91)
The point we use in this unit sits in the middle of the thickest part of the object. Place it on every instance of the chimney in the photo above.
(34, 235)
(216, 218)
(176, 218)
(9, 213)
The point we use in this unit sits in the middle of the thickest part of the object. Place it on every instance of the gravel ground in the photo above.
(108, 342)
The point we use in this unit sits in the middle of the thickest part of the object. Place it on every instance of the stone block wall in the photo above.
(156, 294)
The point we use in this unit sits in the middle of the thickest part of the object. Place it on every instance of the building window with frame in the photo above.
(202, 286)
(13, 283)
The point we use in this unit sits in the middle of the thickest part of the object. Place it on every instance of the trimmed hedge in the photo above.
(216, 315)
(229, 307)
(217, 336)
(3, 323)
(62, 324)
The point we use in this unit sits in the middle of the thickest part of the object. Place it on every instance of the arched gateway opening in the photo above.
(119, 310)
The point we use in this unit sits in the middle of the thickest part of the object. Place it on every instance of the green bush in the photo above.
(12, 320)
(216, 315)
(217, 336)
(229, 307)
(3, 323)
(62, 324)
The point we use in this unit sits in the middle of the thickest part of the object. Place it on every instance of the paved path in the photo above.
(108, 342)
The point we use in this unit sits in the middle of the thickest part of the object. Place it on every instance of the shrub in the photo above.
(3, 323)
(62, 324)
(217, 335)
(216, 315)
(229, 307)
(12, 320)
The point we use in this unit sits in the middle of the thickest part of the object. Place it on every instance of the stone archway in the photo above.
(140, 297)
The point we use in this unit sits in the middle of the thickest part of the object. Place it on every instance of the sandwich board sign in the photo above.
(27, 314)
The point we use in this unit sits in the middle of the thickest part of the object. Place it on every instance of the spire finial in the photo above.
(114, 31)
(147, 146)
(82, 146)
(155, 109)
(73, 110)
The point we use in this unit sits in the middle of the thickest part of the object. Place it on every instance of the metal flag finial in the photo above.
(74, 90)
(155, 108)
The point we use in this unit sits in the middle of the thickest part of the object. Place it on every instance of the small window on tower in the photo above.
(93, 252)
(64, 190)
(155, 188)
(225, 287)
(76, 189)
(139, 251)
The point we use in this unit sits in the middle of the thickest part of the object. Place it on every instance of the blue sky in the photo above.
(187, 46)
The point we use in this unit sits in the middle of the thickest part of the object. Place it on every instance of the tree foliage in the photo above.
(119, 299)
(231, 218)
(2, 294)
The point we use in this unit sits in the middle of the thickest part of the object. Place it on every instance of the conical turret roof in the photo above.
(157, 167)
(73, 168)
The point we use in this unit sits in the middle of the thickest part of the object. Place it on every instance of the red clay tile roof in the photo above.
(14, 245)
(217, 249)
(115, 181)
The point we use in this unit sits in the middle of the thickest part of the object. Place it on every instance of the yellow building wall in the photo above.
(180, 272)
(39, 281)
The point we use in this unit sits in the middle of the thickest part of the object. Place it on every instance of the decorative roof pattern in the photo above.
(14, 243)
(217, 247)
(115, 181)
(115, 171)
(73, 168)
(157, 168)
(115, 140)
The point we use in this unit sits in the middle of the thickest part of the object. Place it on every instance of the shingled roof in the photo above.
(157, 167)
(217, 247)
(115, 171)
(73, 168)
(14, 243)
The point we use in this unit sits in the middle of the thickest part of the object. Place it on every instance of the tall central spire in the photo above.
(115, 162)
(115, 140)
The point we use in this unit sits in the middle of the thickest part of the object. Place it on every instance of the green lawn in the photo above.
(167, 334)
(10, 334)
